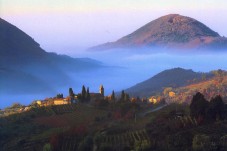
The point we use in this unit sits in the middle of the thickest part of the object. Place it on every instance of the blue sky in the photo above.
(70, 26)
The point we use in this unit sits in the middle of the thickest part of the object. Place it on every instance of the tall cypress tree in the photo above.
(71, 93)
(122, 95)
(83, 93)
(88, 97)
(113, 96)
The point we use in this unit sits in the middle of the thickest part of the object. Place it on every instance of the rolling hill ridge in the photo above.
(176, 77)
(26, 68)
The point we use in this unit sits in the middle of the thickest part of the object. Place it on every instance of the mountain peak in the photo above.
(172, 31)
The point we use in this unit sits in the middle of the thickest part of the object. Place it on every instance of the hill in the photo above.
(26, 68)
(170, 31)
(208, 87)
(174, 78)
(87, 127)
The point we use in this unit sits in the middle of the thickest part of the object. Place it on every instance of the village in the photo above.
(91, 97)
(85, 96)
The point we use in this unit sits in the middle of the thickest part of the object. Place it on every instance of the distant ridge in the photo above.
(170, 31)
(174, 78)
(26, 68)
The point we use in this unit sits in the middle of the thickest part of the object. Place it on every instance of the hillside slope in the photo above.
(170, 31)
(25, 67)
(174, 78)
(216, 85)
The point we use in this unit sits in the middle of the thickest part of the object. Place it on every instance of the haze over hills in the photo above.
(26, 68)
(176, 77)
(170, 31)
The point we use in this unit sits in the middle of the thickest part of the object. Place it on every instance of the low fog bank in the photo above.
(123, 69)
(147, 62)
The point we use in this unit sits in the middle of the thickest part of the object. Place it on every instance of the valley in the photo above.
(162, 87)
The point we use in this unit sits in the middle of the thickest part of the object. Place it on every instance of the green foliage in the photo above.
(47, 147)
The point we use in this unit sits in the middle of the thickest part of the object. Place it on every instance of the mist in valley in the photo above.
(121, 69)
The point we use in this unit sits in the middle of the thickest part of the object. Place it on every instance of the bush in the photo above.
(201, 143)
(47, 147)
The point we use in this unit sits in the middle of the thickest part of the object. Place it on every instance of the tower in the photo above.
(101, 90)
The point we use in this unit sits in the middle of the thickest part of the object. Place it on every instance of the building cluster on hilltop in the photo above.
(84, 96)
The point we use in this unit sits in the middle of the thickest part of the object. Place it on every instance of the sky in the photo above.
(72, 26)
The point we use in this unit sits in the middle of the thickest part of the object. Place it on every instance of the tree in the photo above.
(216, 109)
(204, 77)
(83, 93)
(122, 95)
(71, 94)
(88, 97)
(167, 90)
(126, 97)
(198, 106)
(59, 96)
(113, 96)
(15, 105)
